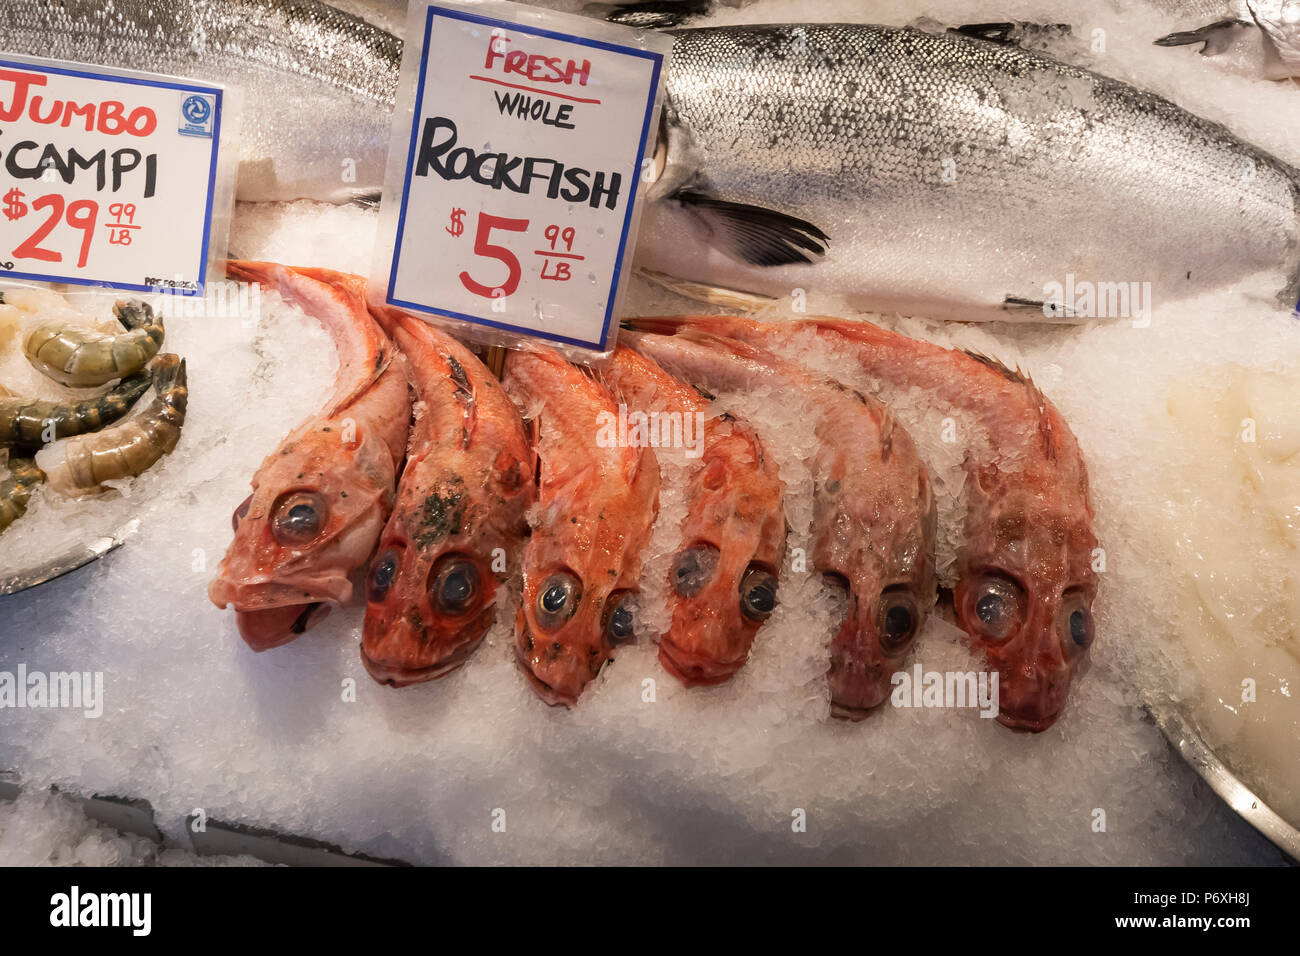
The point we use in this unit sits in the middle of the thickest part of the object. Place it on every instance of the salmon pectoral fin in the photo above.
(753, 234)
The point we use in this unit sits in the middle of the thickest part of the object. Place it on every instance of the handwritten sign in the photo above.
(515, 170)
(107, 177)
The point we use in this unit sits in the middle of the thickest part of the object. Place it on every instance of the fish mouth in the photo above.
(552, 696)
(693, 670)
(853, 712)
(1024, 723)
(398, 676)
(275, 626)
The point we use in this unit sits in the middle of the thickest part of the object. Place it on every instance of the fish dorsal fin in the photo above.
(1039, 402)
(1013, 375)
(464, 393)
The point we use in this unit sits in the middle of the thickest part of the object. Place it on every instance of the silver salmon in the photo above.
(941, 175)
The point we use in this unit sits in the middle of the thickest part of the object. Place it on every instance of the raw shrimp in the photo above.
(130, 448)
(80, 357)
(16, 490)
(25, 421)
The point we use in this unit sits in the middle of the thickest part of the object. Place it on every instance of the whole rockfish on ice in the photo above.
(724, 577)
(926, 173)
(874, 515)
(459, 520)
(1025, 581)
(321, 498)
(596, 504)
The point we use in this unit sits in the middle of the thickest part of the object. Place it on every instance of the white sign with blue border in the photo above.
(107, 177)
(510, 206)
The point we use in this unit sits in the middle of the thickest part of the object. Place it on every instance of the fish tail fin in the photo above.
(388, 318)
(250, 270)
(354, 284)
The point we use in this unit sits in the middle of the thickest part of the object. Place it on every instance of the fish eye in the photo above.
(1076, 620)
(620, 625)
(693, 569)
(381, 576)
(240, 513)
(557, 599)
(297, 517)
(455, 584)
(757, 594)
(898, 619)
(998, 606)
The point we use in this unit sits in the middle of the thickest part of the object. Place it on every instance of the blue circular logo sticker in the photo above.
(196, 109)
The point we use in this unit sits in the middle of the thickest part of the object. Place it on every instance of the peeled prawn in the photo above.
(16, 490)
(29, 422)
(81, 357)
(130, 448)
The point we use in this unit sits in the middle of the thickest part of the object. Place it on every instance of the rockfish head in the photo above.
(724, 578)
(426, 611)
(568, 624)
(597, 502)
(317, 507)
(432, 586)
(880, 555)
(1025, 590)
(581, 569)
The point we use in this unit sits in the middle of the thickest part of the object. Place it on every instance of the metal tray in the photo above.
(1182, 734)
(94, 548)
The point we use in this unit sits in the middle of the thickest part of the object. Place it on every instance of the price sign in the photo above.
(107, 177)
(511, 198)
